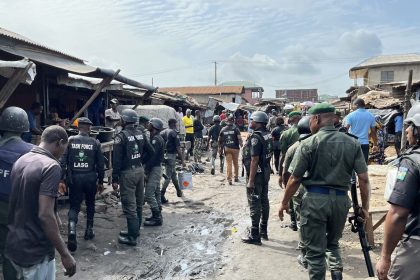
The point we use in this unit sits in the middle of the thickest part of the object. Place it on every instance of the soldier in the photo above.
(304, 132)
(131, 148)
(287, 139)
(154, 173)
(229, 142)
(276, 134)
(256, 156)
(13, 122)
(83, 166)
(402, 227)
(173, 147)
(327, 160)
(213, 138)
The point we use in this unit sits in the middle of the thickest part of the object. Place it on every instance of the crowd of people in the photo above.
(316, 155)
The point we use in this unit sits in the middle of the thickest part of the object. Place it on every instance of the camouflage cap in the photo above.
(294, 114)
(321, 108)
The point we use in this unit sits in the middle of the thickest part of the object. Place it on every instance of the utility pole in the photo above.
(407, 106)
(215, 73)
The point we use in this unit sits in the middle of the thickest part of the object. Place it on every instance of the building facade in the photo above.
(385, 69)
(298, 95)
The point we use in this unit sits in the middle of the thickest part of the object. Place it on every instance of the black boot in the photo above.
(156, 219)
(148, 219)
(72, 240)
(212, 171)
(163, 198)
(253, 237)
(132, 234)
(89, 233)
(178, 190)
(336, 275)
(263, 231)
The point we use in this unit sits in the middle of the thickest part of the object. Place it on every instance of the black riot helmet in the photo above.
(156, 123)
(259, 117)
(129, 116)
(14, 119)
(303, 126)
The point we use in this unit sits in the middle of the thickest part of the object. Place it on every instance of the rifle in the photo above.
(357, 225)
(222, 160)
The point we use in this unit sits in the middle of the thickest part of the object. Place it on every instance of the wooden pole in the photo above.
(407, 106)
(14, 81)
(105, 82)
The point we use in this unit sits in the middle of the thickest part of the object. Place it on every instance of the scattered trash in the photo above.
(106, 253)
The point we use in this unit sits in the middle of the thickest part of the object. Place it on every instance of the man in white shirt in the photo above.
(112, 117)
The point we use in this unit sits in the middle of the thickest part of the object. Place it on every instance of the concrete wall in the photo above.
(400, 74)
(203, 99)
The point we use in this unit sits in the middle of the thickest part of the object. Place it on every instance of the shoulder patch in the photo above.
(117, 140)
(402, 173)
(254, 141)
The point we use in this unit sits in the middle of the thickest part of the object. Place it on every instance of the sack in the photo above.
(185, 180)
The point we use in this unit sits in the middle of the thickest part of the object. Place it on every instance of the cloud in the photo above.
(300, 59)
(360, 43)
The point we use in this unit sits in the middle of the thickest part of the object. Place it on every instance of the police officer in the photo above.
(257, 153)
(402, 223)
(13, 122)
(327, 160)
(173, 148)
(154, 173)
(143, 126)
(276, 134)
(229, 142)
(83, 167)
(131, 148)
(304, 132)
(213, 138)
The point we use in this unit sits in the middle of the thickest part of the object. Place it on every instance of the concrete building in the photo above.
(385, 69)
(227, 94)
(298, 95)
(253, 92)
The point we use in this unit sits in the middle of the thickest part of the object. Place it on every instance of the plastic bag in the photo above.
(185, 180)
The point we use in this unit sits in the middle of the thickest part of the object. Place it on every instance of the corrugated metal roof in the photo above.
(383, 60)
(208, 90)
(16, 36)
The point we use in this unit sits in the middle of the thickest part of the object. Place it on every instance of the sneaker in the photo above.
(301, 260)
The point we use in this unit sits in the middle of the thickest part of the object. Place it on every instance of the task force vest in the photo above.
(81, 153)
(135, 141)
(230, 137)
(265, 138)
(10, 152)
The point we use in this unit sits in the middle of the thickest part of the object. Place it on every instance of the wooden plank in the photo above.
(380, 222)
(11, 85)
(105, 82)
(369, 231)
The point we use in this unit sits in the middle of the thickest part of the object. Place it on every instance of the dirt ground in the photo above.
(200, 238)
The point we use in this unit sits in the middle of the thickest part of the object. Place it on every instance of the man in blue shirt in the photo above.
(398, 121)
(362, 124)
(36, 110)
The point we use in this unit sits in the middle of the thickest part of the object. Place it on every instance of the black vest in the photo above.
(134, 141)
(81, 153)
(9, 154)
(230, 137)
(267, 143)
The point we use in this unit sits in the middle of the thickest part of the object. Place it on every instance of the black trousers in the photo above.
(277, 159)
(190, 137)
(83, 186)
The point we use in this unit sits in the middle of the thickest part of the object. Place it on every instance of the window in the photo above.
(255, 95)
(387, 76)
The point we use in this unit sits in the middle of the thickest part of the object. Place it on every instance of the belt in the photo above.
(324, 190)
(133, 167)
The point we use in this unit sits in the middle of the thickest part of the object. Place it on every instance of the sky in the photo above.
(276, 44)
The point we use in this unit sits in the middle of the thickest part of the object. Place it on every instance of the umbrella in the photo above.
(307, 103)
(288, 107)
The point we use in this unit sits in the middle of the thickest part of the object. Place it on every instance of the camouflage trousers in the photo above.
(152, 191)
(198, 143)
